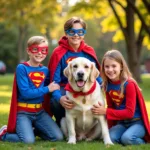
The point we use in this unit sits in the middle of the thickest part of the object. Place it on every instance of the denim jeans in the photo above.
(56, 107)
(40, 122)
(128, 133)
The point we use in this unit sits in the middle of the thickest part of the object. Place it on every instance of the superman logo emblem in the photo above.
(37, 78)
(115, 95)
(70, 59)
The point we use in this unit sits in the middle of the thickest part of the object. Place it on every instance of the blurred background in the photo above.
(111, 24)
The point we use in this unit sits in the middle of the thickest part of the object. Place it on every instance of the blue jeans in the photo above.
(128, 133)
(56, 108)
(28, 123)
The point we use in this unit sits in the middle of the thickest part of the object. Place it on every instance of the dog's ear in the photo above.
(94, 72)
(67, 72)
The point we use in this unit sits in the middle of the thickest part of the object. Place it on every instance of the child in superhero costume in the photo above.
(126, 111)
(31, 83)
(70, 46)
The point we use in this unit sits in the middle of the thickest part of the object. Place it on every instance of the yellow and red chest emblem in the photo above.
(37, 78)
(70, 59)
(115, 96)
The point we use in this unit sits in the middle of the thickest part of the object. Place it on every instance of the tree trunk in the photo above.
(21, 37)
(132, 48)
(133, 61)
(22, 32)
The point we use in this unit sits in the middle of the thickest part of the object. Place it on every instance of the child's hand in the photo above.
(53, 86)
(98, 109)
(66, 103)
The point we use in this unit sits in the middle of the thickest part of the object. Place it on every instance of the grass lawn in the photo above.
(5, 95)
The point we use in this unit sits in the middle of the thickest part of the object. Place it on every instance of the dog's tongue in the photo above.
(80, 83)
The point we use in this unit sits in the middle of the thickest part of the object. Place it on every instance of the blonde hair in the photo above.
(69, 23)
(37, 40)
(125, 73)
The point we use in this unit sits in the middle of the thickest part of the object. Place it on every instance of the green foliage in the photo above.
(96, 9)
(25, 12)
(8, 47)
(21, 19)
(145, 86)
(128, 20)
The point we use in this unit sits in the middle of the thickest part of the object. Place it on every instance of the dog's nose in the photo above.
(80, 74)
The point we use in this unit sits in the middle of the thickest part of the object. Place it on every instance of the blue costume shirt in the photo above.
(32, 83)
(113, 90)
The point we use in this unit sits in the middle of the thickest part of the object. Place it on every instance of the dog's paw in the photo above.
(72, 140)
(89, 139)
(81, 137)
(107, 143)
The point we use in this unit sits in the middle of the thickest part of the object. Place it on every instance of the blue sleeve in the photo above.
(57, 78)
(47, 79)
(99, 80)
(56, 95)
(26, 91)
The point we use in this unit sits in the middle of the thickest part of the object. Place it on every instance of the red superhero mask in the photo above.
(36, 49)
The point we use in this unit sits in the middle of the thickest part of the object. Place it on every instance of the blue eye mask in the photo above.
(72, 32)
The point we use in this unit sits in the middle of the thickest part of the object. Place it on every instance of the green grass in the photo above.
(5, 95)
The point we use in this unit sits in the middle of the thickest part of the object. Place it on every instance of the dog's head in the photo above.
(81, 72)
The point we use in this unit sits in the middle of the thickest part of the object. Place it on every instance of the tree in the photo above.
(25, 14)
(133, 40)
(128, 16)
(8, 47)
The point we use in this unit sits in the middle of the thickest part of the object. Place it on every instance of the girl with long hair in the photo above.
(126, 112)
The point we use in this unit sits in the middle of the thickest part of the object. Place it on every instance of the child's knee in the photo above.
(29, 140)
(126, 139)
(114, 138)
(59, 137)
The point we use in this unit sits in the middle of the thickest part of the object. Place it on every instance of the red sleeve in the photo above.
(128, 112)
(55, 59)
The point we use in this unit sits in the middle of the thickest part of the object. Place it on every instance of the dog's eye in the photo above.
(86, 66)
(75, 66)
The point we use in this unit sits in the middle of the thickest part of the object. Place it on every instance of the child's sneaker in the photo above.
(3, 130)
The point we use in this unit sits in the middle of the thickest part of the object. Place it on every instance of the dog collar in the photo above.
(76, 94)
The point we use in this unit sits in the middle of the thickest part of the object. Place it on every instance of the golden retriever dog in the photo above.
(83, 89)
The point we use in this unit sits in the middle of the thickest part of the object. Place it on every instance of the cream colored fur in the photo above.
(80, 123)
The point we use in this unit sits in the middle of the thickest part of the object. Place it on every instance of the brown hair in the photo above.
(37, 40)
(125, 73)
(69, 23)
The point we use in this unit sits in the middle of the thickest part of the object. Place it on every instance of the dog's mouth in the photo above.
(80, 83)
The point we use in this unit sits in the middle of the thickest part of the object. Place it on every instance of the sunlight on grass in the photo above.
(148, 109)
(4, 108)
(146, 75)
(5, 94)
(4, 87)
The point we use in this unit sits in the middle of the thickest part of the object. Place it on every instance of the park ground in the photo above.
(5, 95)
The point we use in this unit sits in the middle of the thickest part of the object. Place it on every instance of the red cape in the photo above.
(58, 53)
(11, 126)
(143, 112)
